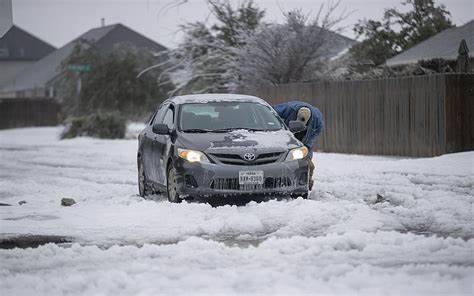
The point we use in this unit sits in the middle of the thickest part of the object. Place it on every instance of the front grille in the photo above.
(236, 159)
(225, 184)
(279, 182)
(233, 184)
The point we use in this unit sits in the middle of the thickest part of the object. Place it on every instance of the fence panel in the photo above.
(460, 113)
(410, 116)
(21, 112)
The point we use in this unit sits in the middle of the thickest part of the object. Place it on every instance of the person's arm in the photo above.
(316, 130)
(312, 137)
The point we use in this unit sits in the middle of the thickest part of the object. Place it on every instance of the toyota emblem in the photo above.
(249, 156)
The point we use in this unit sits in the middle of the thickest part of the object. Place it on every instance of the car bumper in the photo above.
(201, 180)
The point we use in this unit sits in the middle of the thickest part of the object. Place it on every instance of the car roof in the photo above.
(205, 98)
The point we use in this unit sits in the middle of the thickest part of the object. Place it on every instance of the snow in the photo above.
(367, 262)
(340, 54)
(417, 240)
(281, 139)
(205, 98)
(134, 129)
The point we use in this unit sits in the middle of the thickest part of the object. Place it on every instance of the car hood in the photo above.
(280, 140)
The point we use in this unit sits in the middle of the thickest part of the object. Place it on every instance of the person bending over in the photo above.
(314, 125)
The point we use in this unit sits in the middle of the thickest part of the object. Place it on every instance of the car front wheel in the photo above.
(142, 184)
(171, 183)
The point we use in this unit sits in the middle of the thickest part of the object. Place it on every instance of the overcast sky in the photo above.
(60, 21)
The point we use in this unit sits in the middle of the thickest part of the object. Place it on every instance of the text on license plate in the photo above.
(250, 177)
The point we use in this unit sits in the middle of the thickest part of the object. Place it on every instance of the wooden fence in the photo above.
(410, 116)
(20, 112)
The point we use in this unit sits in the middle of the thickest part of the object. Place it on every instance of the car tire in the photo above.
(143, 190)
(171, 184)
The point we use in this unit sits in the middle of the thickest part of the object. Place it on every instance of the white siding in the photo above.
(9, 69)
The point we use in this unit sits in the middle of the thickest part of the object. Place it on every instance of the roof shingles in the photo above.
(443, 45)
(48, 68)
(19, 45)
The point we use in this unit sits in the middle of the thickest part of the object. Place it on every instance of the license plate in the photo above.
(250, 177)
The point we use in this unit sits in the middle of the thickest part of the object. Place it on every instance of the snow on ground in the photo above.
(133, 130)
(417, 239)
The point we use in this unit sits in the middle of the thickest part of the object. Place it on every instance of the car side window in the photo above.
(169, 117)
(160, 114)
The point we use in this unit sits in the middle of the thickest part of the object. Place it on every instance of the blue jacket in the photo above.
(288, 112)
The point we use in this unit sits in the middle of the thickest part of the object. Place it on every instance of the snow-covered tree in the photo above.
(290, 52)
(205, 60)
(198, 64)
(240, 52)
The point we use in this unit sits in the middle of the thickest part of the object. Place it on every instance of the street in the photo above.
(372, 224)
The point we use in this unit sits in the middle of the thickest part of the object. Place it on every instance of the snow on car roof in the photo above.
(205, 98)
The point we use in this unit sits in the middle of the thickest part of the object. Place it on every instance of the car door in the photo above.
(149, 137)
(162, 146)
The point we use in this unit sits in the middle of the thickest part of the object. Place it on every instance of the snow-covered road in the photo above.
(418, 240)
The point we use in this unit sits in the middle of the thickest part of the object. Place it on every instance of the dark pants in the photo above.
(311, 171)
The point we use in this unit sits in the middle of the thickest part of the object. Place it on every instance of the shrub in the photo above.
(99, 125)
(111, 83)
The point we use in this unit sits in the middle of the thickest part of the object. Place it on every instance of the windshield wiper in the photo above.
(223, 130)
(197, 130)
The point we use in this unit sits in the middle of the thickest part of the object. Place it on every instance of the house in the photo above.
(19, 50)
(40, 77)
(444, 45)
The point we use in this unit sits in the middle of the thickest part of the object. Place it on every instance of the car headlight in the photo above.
(297, 153)
(192, 155)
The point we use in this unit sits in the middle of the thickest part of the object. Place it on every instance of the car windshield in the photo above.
(225, 116)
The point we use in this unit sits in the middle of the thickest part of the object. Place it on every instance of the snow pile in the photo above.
(415, 238)
(137, 221)
(361, 262)
(430, 196)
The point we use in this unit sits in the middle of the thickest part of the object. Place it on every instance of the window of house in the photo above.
(4, 52)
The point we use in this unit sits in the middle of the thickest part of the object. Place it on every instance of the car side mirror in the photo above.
(161, 129)
(296, 126)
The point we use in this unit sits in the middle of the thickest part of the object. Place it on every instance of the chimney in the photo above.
(463, 58)
(6, 16)
(102, 22)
